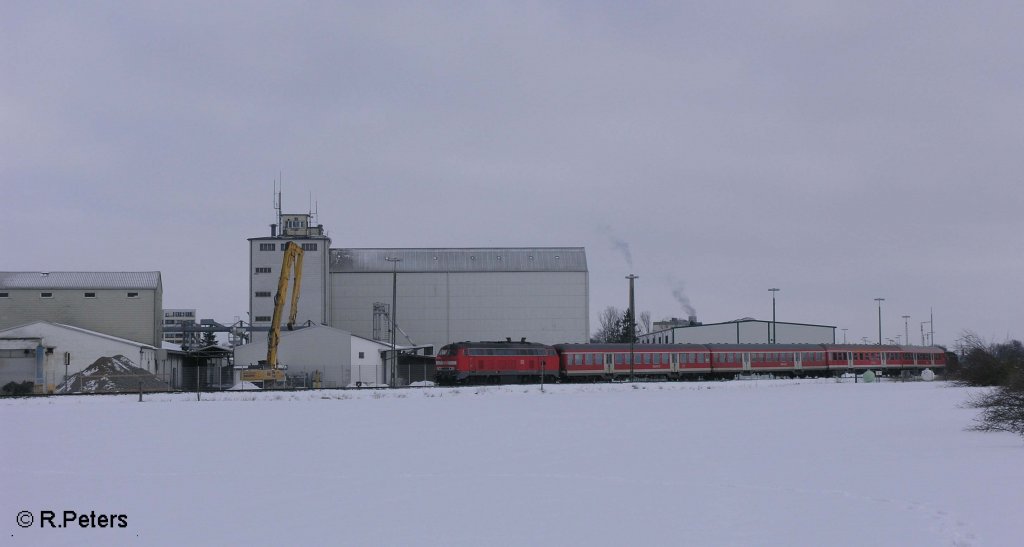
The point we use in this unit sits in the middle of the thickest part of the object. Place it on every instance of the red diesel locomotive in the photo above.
(519, 362)
(496, 362)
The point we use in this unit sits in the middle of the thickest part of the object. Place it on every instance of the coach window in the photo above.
(620, 359)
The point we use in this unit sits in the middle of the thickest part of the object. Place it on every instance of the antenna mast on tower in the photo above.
(277, 198)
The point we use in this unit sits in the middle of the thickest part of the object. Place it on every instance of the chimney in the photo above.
(693, 320)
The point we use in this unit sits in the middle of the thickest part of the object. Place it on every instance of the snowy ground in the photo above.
(731, 463)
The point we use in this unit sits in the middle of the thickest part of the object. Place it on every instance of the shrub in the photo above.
(1001, 366)
(1002, 409)
(15, 389)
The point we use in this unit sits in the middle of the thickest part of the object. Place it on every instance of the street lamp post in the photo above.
(394, 315)
(632, 323)
(879, 300)
(774, 337)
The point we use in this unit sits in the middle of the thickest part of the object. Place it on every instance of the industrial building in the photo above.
(740, 331)
(125, 305)
(442, 295)
(45, 352)
(448, 295)
(265, 255)
(177, 318)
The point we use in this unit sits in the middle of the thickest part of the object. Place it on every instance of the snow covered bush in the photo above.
(1002, 409)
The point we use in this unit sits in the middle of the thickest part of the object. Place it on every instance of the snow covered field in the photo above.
(731, 463)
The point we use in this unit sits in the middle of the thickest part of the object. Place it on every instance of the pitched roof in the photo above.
(80, 330)
(80, 280)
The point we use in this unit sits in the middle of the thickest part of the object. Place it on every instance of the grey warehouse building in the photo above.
(450, 295)
(127, 305)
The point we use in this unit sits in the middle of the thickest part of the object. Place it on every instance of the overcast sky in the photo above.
(837, 151)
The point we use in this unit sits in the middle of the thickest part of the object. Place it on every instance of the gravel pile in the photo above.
(115, 374)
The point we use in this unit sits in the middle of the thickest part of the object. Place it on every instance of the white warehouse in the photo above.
(44, 352)
(743, 331)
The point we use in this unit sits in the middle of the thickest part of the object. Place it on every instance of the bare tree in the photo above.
(645, 322)
(610, 320)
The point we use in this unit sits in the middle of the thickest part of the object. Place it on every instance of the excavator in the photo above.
(268, 371)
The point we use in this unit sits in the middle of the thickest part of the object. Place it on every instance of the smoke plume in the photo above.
(680, 295)
(618, 244)
(623, 248)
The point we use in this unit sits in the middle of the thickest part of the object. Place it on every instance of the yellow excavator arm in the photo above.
(292, 260)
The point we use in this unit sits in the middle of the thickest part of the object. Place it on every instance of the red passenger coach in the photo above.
(887, 359)
(789, 359)
(495, 362)
(610, 361)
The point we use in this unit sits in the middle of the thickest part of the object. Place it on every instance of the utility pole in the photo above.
(632, 324)
(774, 336)
(394, 318)
(879, 300)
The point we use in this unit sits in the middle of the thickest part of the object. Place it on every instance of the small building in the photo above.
(742, 331)
(126, 305)
(368, 362)
(204, 367)
(177, 318)
(304, 352)
(45, 353)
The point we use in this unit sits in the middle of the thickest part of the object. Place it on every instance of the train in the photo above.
(530, 362)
